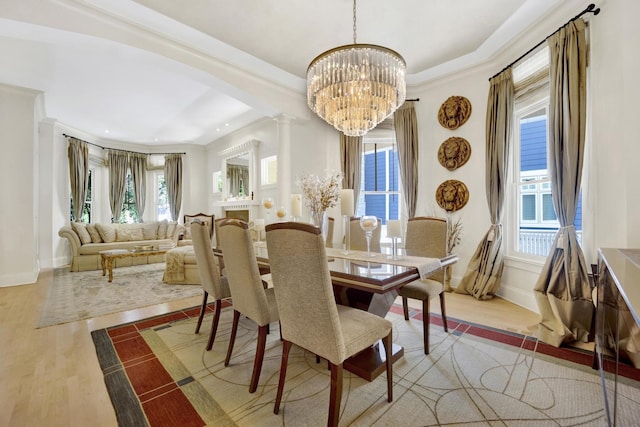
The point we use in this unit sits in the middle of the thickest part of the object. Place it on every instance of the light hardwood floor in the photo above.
(50, 376)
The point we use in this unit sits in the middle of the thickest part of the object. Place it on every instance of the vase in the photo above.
(320, 219)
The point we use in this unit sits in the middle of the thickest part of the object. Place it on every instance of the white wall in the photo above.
(19, 110)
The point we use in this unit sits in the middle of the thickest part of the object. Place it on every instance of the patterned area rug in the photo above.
(158, 373)
(85, 294)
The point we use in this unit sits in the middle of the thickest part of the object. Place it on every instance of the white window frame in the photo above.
(265, 179)
(156, 198)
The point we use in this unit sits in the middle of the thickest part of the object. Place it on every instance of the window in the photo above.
(269, 170)
(533, 222)
(217, 182)
(162, 202)
(86, 210)
(129, 212)
(379, 190)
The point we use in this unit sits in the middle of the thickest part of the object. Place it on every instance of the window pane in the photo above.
(528, 207)
(163, 202)
(548, 213)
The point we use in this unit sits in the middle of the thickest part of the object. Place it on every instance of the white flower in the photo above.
(320, 194)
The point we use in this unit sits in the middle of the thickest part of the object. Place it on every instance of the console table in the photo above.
(617, 316)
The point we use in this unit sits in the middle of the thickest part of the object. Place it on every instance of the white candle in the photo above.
(296, 205)
(393, 228)
(346, 201)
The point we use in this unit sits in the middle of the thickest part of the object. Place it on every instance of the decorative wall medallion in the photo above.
(452, 195)
(454, 112)
(454, 152)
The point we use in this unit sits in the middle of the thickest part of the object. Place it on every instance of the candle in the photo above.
(346, 201)
(281, 212)
(368, 224)
(296, 205)
(393, 228)
(268, 204)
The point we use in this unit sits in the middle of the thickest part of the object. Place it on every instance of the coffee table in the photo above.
(109, 257)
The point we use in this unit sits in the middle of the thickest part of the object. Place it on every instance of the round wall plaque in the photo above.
(454, 152)
(454, 112)
(452, 195)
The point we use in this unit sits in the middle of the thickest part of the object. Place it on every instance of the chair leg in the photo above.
(214, 324)
(203, 308)
(405, 308)
(286, 346)
(388, 342)
(257, 362)
(425, 324)
(335, 396)
(444, 312)
(232, 338)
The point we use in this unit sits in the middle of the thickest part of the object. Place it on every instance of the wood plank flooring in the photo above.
(50, 376)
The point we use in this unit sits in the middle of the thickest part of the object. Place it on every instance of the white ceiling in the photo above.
(163, 72)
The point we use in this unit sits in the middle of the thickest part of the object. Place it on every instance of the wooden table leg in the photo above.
(104, 270)
(110, 267)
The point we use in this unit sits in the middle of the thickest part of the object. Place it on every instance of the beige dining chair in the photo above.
(309, 315)
(212, 283)
(358, 239)
(249, 296)
(426, 237)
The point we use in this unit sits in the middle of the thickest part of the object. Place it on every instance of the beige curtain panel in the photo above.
(118, 165)
(563, 292)
(406, 126)
(351, 163)
(173, 179)
(138, 166)
(78, 154)
(484, 272)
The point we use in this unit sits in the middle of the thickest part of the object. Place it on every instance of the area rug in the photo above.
(158, 373)
(85, 294)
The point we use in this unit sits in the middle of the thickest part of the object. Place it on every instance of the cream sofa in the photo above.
(87, 240)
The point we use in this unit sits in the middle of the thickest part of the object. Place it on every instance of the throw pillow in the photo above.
(81, 230)
(171, 228)
(93, 232)
(107, 232)
(150, 231)
(162, 229)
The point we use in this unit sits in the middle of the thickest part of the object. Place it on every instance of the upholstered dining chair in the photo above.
(301, 279)
(426, 237)
(358, 239)
(330, 227)
(249, 296)
(212, 283)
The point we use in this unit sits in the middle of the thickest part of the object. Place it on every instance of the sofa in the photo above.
(87, 240)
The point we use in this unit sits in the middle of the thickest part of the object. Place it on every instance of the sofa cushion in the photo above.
(128, 232)
(107, 232)
(162, 229)
(81, 230)
(93, 232)
(150, 230)
(171, 229)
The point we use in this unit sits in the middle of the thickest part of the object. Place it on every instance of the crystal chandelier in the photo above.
(356, 86)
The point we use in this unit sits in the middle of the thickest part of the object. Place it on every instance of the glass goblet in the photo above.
(368, 223)
(281, 213)
(267, 202)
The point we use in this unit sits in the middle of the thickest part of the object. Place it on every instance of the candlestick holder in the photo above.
(346, 221)
(394, 249)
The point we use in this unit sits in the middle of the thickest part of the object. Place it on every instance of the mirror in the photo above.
(240, 171)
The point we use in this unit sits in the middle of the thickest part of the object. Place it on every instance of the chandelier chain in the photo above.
(354, 22)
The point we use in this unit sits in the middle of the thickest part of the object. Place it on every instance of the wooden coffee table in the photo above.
(108, 258)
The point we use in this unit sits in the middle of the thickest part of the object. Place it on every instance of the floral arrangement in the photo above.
(320, 194)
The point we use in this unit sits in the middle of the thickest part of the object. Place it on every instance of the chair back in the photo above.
(304, 293)
(358, 239)
(206, 262)
(330, 226)
(241, 270)
(427, 237)
(204, 218)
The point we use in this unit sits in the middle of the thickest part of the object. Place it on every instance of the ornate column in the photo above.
(284, 159)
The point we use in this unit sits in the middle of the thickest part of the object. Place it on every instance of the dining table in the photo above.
(370, 282)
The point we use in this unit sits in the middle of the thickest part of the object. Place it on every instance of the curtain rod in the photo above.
(116, 149)
(591, 8)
